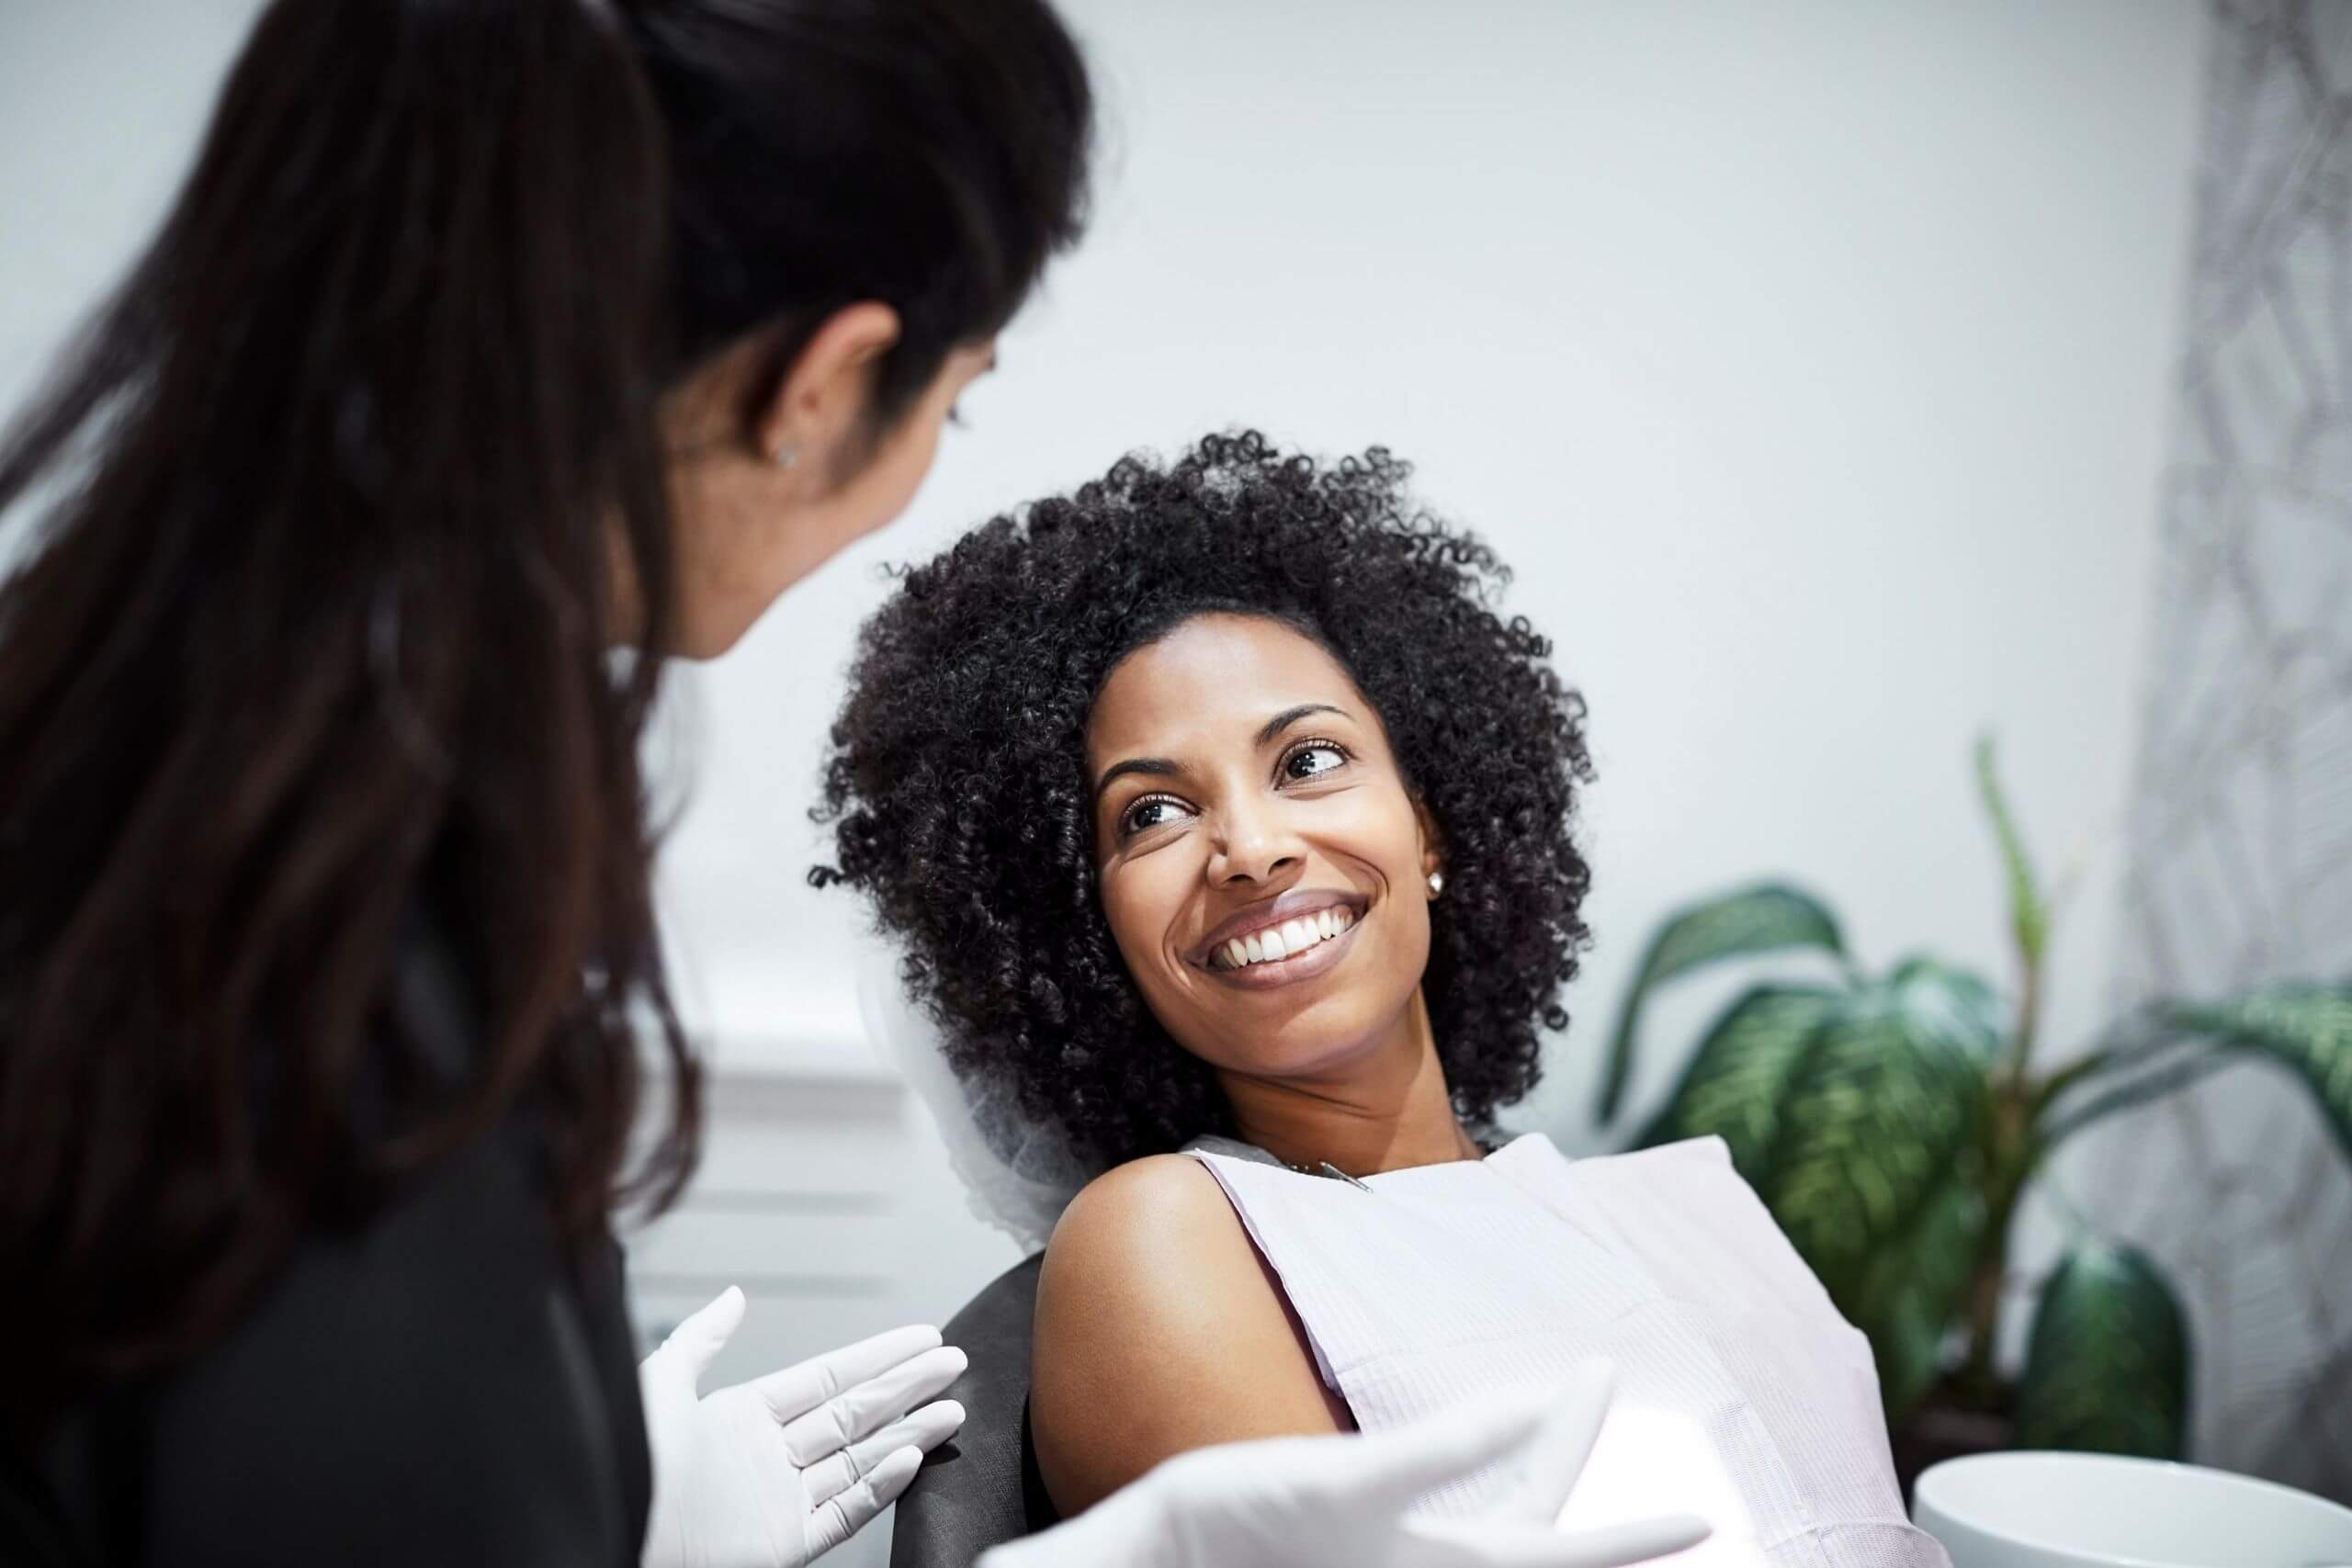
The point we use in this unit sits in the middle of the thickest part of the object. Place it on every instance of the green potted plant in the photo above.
(1891, 1122)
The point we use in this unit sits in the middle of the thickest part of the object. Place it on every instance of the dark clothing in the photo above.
(442, 1386)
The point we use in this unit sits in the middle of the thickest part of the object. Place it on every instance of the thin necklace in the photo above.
(1326, 1169)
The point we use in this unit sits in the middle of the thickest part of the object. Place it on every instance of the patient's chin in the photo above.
(1319, 1043)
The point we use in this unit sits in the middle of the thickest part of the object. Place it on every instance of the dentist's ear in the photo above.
(815, 403)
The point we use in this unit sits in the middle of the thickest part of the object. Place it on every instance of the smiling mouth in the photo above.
(1293, 937)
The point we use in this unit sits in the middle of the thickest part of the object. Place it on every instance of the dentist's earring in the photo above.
(1437, 883)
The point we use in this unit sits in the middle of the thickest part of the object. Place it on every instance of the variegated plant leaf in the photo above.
(2307, 1027)
(1872, 1127)
(1764, 919)
(1736, 1079)
(1950, 1004)
(1914, 1287)
(2107, 1368)
(1908, 1287)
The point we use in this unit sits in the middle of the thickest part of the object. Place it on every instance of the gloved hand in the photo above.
(1288, 1501)
(777, 1472)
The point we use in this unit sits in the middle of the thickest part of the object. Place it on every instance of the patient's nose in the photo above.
(1252, 845)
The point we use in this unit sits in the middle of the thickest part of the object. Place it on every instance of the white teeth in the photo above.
(1285, 941)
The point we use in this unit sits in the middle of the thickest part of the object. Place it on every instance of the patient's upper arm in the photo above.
(1159, 1329)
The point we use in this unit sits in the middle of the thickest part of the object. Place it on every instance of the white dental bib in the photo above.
(1742, 1395)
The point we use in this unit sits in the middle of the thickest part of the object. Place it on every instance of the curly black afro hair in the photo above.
(957, 790)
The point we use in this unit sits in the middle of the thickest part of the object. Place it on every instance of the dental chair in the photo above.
(981, 1489)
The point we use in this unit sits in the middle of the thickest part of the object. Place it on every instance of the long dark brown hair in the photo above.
(313, 644)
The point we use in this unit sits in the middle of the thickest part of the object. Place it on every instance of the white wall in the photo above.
(100, 105)
(1808, 360)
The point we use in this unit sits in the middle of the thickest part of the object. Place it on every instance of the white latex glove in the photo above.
(777, 1472)
(1341, 1500)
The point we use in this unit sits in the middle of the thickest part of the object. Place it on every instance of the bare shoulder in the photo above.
(1159, 1329)
(1161, 1213)
(1151, 1253)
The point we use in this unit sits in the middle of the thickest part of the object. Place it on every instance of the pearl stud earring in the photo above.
(1437, 883)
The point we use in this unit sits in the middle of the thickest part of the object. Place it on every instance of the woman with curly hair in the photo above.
(1226, 825)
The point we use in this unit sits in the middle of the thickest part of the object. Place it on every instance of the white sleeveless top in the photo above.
(1742, 1395)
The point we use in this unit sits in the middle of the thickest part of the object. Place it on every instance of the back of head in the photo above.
(928, 153)
(341, 508)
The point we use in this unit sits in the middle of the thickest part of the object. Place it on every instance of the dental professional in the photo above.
(494, 353)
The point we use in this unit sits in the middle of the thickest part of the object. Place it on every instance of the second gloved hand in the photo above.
(774, 1473)
(1344, 1501)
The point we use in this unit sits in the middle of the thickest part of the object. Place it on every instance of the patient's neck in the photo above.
(1386, 1110)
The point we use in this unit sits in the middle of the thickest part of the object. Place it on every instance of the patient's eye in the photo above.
(1312, 759)
(1151, 811)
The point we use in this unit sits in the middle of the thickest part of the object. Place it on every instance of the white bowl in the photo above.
(2066, 1510)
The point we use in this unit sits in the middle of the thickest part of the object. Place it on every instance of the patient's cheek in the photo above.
(1139, 923)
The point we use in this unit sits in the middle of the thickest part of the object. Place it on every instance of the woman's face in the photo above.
(1263, 867)
(747, 527)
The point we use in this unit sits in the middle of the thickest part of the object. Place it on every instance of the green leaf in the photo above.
(1856, 1117)
(2306, 1027)
(2029, 915)
(1914, 1286)
(1765, 918)
(1950, 1004)
(1872, 1127)
(2107, 1370)
(2196, 1061)
(1735, 1082)
(1915, 1281)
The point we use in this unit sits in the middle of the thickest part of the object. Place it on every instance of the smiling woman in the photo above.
(1020, 795)
(1216, 800)
(1267, 880)
(1219, 812)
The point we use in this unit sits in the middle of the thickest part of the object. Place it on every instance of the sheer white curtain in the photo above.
(2240, 839)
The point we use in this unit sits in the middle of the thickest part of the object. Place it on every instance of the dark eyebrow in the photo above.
(1157, 767)
(1289, 716)
(1160, 767)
